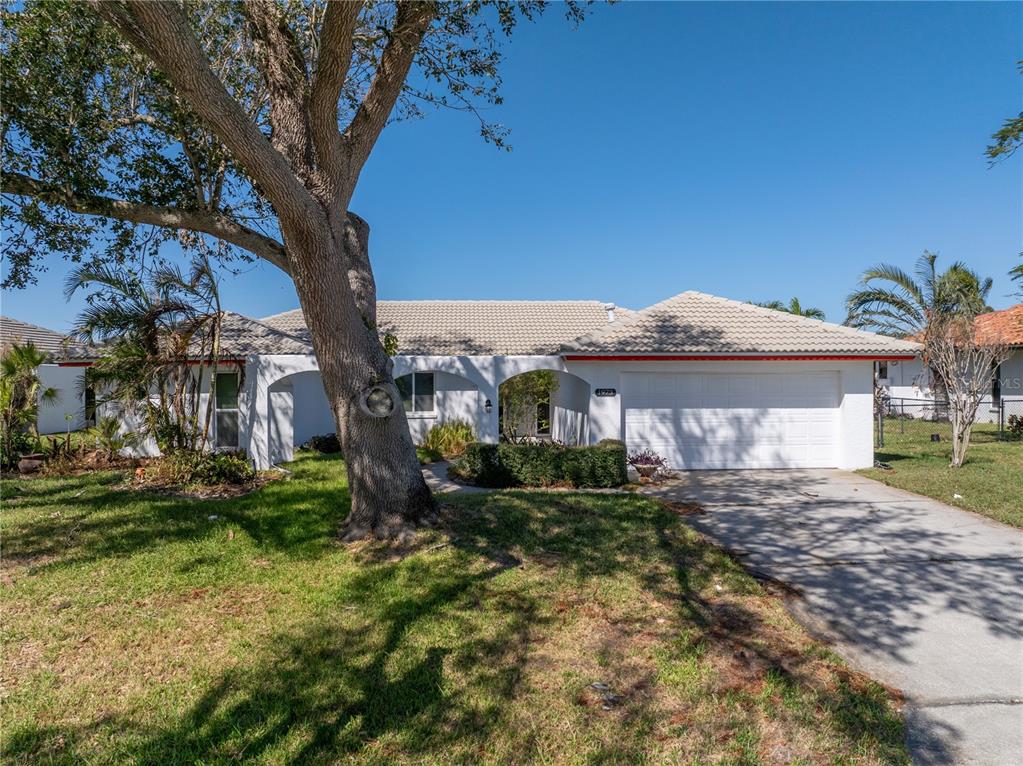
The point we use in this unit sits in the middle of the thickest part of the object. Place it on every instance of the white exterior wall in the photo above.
(282, 403)
(67, 381)
(570, 407)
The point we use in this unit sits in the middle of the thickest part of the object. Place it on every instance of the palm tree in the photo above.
(21, 392)
(1016, 274)
(794, 307)
(906, 305)
(148, 335)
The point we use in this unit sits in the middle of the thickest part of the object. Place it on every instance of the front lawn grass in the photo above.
(149, 629)
(989, 483)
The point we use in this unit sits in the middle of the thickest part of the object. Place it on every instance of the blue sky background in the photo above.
(755, 151)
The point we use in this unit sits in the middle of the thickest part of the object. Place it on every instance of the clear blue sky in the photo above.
(755, 151)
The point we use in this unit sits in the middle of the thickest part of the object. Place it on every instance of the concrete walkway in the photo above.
(436, 475)
(922, 596)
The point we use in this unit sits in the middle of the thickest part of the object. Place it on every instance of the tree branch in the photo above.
(410, 24)
(336, 40)
(160, 31)
(283, 68)
(203, 221)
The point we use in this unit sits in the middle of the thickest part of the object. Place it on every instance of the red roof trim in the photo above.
(735, 357)
(190, 361)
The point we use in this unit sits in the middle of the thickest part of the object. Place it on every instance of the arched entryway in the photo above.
(556, 407)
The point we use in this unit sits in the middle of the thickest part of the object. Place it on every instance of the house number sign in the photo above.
(606, 392)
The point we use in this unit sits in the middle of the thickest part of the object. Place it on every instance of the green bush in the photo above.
(211, 468)
(18, 443)
(1015, 425)
(543, 464)
(449, 439)
(328, 444)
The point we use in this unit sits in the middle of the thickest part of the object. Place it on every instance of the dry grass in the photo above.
(137, 630)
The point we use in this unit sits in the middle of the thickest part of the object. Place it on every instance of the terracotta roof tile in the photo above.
(1006, 325)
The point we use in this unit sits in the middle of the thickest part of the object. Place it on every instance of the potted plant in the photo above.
(647, 462)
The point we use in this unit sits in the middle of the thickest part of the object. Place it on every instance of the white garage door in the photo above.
(730, 420)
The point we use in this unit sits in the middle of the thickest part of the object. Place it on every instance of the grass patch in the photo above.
(989, 483)
(139, 630)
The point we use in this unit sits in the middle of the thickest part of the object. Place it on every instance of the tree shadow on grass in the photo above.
(421, 659)
(99, 518)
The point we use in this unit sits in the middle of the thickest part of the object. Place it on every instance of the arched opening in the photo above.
(544, 405)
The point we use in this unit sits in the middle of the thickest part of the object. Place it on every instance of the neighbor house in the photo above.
(909, 383)
(706, 382)
(68, 409)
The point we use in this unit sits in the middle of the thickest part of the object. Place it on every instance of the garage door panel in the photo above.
(719, 420)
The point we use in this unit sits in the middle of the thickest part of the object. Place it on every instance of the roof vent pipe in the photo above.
(610, 309)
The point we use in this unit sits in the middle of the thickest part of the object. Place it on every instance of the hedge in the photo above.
(543, 464)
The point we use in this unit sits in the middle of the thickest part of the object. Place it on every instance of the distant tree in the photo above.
(964, 359)
(1009, 138)
(794, 307)
(1016, 275)
(892, 302)
(908, 306)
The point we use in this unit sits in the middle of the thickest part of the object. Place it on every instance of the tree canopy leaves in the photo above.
(104, 162)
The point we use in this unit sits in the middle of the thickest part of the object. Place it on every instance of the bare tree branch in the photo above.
(410, 24)
(203, 221)
(335, 45)
(966, 359)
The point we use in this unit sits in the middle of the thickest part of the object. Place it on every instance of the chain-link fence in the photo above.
(907, 421)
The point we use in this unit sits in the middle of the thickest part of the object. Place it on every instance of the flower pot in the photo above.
(647, 470)
(31, 463)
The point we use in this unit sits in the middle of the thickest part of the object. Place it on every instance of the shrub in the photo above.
(328, 444)
(647, 457)
(449, 439)
(543, 464)
(13, 446)
(206, 468)
(1015, 425)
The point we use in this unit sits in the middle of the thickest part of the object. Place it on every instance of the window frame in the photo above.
(217, 409)
(413, 397)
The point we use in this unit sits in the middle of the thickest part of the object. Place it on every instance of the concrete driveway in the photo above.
(920, 595)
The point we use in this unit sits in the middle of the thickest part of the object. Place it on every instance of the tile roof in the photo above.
(241, 336)
(15, 331)
(477, 327)
(1006, 325)
(697, 323)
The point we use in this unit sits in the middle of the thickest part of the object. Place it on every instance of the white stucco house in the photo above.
(707, 382)
(908, 383)
(68, 409)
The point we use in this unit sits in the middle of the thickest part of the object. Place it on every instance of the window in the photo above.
(882, 370)
(416, 391)
(996, 387)
(227, 409)
(90, 406)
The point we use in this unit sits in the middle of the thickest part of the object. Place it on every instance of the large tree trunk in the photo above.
(388, 493)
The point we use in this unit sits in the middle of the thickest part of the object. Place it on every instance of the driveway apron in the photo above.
(922, 596)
